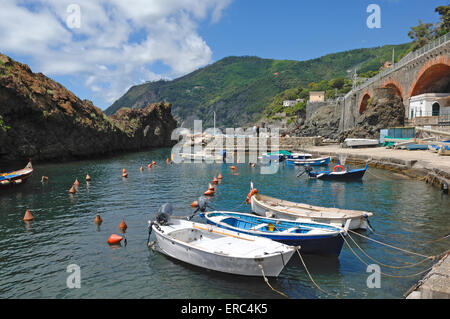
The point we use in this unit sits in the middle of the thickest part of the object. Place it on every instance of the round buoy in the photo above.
(28, 216)
(220, 176)
(114, 239)
(194, 204)
(88, 178)
(124, 173)
(76, 183)
(153, 163)
(215, 180)
(123, 226)
(209, 193)
(233, 168)
(98, 220)
(72, 190)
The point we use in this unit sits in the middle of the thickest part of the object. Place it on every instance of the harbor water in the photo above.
(34, 256)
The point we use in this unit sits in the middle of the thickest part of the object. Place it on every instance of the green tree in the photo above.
(421, 34)
(444, 23)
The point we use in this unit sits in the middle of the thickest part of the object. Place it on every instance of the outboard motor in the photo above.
(162, 218)
(306, 169)
(202, 205)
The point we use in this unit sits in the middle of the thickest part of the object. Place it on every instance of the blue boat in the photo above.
(276, 156)
(414, 147)
(342, 175)
(313, 238)
(309, 161)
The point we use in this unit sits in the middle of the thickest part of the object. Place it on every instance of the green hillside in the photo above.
(239, 89)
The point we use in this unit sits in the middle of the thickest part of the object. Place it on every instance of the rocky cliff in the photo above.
(41, 119)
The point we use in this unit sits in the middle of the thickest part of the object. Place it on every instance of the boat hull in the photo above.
(347, 176)
(357, 222)
(311, 162)
(272, 264)
(16, 178)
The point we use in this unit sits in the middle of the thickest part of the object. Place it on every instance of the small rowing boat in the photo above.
(219, 249)
(314, 238)
(322, 161)
(16, 177)
(277, 208)
(335, 175)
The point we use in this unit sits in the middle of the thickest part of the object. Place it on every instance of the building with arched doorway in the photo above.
(429, 108)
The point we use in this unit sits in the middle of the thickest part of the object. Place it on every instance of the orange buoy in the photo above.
(215, 181)
(209, 193)
(72, 190)
(233, 168)
(124, 173)
(141, 169)
(168, 161)
(194, 204)
(220, 176)
(76, 183)
(98, 220)
(28, 216)
(149, 166)
(44, 178)
(114, 239)
(211, 188)
(154, 163)
(88, 178)
(123, 226)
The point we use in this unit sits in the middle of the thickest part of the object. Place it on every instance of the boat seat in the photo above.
(259, 226)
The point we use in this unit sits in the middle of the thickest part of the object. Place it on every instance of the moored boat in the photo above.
(314, 238)
(220, 249)
(277, 208)
(16, 177)
(338, 175)
(309, 161)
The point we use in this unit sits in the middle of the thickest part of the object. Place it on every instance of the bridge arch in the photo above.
(364, 102)
(433, 77)
(395, 87)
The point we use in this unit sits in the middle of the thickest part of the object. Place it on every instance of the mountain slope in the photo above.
(238, 89)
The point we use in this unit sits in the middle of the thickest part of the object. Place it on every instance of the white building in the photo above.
(429, 104)
(289, 103)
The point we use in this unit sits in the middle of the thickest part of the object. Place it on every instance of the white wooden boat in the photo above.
(360, 142)
(277, 208)
(220, 249)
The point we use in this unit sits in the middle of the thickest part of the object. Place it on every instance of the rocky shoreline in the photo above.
(42, 120)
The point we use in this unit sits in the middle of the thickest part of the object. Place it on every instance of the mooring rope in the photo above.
(311, 278)
(268, 284)
(380, 272)
(384, 265)
(391, 246)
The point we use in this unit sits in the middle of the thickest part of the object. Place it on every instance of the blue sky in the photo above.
(123, 43)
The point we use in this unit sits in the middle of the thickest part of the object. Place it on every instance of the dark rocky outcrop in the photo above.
(385, 110)
(41, 119)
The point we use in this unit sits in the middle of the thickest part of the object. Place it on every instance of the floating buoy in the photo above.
(154, 163)
(98, 220)
(209, 193)
(254, 191)
(114, 239)
(88, 178)
(168, 161)
(76, 183)
(123, 226)
(233, 168)
(141, 169)
(124, 173)
(253, 165)
(211, 188)
(215, 180)
(44, 178)
(194, 204)
(72, 190)
(28, 216)
(149, 166)
(220, 176)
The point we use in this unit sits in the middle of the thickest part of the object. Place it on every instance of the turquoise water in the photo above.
(34, 256)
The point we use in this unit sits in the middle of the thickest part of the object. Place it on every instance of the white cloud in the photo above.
(117, 43)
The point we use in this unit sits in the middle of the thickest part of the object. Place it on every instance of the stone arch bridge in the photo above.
(426, 70)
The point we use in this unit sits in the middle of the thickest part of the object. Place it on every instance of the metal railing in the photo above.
(411, 56)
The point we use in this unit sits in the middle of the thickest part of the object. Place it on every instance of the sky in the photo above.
(100, 48)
